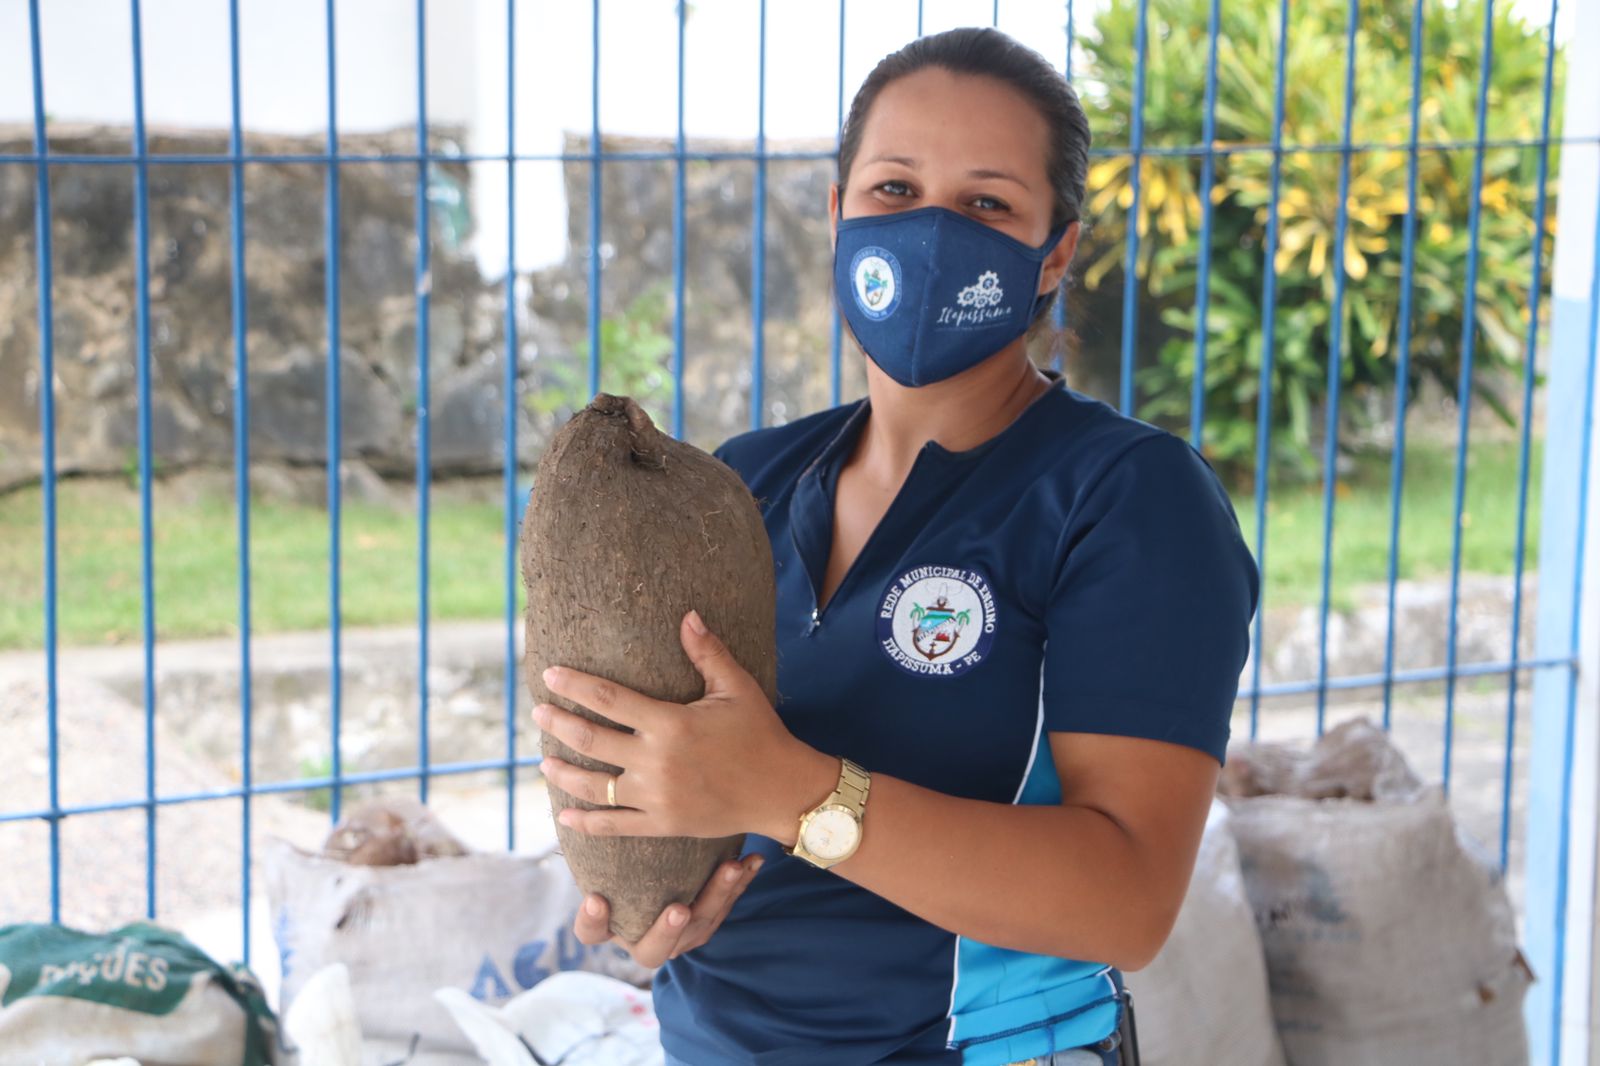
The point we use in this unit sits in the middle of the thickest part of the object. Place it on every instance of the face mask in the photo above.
(929, 293)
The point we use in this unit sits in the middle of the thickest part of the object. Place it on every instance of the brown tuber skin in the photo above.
(626, 531)
(390, 832)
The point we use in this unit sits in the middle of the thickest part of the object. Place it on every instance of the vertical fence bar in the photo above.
(1208, 177)
(1269, 300)
(141, 267)
(1330, 452)
(1058, 312)
(1072, 39)
(678, 196)
(1530, 362)
(919, 18)
(594, 200)
(835, 344)
(424, 455)
(331, 297)
(758, 240)
(44, 249)
(1469, 333)
(1402, 371)
(510, 389)
(241, 458)
(1130, 262)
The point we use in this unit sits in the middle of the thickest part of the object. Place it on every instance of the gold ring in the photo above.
(611, 790)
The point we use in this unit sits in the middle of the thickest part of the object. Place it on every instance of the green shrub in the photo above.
(1306, 261)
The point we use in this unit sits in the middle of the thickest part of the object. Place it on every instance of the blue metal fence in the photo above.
(1570, 474)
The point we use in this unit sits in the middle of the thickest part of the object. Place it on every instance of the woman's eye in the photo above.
(989, 203)
(895, 188)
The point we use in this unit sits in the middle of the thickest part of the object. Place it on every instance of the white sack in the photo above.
(1204, 999)
(1389, 938)
(490, 924)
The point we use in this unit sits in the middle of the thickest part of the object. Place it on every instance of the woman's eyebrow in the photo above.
(910, 163)
(1000, 174)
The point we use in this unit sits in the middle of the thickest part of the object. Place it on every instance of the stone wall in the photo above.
(191, 342)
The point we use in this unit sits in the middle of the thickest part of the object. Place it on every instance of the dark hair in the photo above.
(989, 53)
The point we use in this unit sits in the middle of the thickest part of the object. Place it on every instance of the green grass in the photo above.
(196, 549)
(196, 568)
(1294, 547)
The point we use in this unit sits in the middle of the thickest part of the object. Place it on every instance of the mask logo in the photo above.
(876, 276)
(937, 620)
(977, 305)
(985, 292)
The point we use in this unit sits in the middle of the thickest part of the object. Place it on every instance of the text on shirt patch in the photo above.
(937, 621)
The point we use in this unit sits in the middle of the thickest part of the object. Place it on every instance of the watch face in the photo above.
(832, 833)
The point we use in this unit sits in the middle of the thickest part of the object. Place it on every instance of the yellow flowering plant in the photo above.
(1306, 261)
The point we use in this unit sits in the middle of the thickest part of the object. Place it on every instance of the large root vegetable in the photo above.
(627, 530)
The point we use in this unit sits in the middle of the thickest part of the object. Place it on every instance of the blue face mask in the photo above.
(929, 293)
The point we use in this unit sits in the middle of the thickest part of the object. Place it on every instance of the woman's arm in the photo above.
(1099, 877)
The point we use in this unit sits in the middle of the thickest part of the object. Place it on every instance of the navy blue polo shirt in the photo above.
(1081, 571)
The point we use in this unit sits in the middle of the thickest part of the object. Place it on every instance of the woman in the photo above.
(1010, 627)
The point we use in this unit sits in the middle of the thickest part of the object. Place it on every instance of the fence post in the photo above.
(1563, 785)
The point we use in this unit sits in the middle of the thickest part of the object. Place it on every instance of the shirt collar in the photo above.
(832, 455)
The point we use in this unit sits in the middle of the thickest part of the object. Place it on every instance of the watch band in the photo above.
(854, 783)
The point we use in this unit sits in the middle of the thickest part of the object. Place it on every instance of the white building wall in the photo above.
(88, 73)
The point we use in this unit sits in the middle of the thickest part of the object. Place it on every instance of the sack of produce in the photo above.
(141, 991)
(626, 531)
(491, 924)
(1389, 938)
(1186, 1014)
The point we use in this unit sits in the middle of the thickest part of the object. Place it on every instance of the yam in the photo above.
(392, 831)
(625, 532)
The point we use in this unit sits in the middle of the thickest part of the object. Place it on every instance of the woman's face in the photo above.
(968, 143)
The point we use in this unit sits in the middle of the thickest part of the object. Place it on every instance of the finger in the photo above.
(620, 704)
(593, 924)
(658, 943)
(591, 739)
(752, 867)
(746, 875)
(590, 786)
(612, 822)
(722, 673)
(714, 902)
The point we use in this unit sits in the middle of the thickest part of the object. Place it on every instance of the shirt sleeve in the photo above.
(1148, 623)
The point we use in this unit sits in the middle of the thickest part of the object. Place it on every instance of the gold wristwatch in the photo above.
(830, 832)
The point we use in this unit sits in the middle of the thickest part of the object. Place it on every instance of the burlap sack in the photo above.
(1388, 934)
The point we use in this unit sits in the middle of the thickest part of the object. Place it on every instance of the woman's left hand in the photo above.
(722, 765)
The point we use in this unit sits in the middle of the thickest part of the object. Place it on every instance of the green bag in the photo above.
(142, 991)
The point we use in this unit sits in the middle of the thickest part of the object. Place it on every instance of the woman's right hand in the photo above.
(678, 928)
